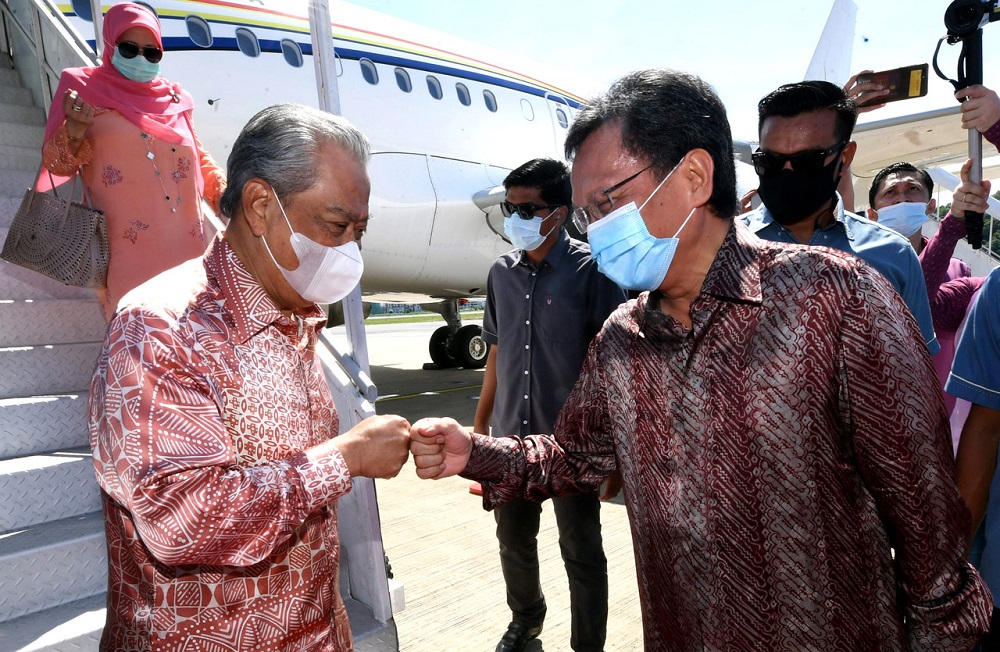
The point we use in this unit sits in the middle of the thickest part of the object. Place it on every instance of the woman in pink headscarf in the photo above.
(129, 132)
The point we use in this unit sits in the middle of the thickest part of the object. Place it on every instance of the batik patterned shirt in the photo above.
(222, 535)
(774, 455)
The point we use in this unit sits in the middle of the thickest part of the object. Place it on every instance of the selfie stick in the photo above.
(970, 72)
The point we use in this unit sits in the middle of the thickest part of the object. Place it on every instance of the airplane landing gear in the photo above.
(455, 345)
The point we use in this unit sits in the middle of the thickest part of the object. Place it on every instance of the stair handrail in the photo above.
(30, 19)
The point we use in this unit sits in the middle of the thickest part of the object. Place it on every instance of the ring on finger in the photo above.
(77, 107)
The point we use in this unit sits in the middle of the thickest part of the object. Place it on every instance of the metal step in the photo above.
(13, 183)
(22, 114)
(17, 157)
(47, 487)
(50, 321)
(50, 564)
(9, 77)
(42, 423)
(16, 95)
(43, 370)
(12, 133)
(20, 283)
(71, 627)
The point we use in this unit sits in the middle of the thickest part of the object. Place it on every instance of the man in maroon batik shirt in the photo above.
(771, 407)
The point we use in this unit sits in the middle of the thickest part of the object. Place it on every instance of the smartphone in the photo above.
(903, 83)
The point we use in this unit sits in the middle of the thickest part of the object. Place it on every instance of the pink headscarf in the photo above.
(158, 107)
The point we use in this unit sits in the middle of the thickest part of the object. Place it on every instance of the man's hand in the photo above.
(982, 108)
(377, 447)
(866, 93)
(440, 448)
(970, 197)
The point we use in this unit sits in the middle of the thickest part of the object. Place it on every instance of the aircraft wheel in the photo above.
(468, 347)
(439, 348)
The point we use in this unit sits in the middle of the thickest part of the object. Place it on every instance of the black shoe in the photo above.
(517, 636)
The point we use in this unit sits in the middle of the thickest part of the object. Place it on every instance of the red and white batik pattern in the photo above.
(773, 455)
(221, 534)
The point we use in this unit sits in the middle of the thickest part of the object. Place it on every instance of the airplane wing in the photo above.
(932, 139)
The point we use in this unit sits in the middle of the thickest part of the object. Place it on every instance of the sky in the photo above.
(744, 48)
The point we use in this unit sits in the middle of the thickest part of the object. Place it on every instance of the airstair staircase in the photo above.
(52, 557)
(53, 568)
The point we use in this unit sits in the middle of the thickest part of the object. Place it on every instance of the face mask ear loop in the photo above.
(684, 223)
(547, 217)
(657, 188)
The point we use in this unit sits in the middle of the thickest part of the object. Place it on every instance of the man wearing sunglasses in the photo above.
(805, 148)
(777, 424)
(545, 301)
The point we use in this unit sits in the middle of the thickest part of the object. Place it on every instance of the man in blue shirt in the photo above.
(805, 146)
(545, 301)
(975, 376)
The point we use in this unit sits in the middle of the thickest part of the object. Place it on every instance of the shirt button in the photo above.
(527, 296)
(525, 372)
(524, 423)
(526, 397)
(527, 321)
(534, 273)
(526, 346)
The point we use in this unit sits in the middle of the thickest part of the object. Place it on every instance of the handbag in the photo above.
(60, 238)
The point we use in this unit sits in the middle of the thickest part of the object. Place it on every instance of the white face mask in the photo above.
(904, 218)
(526, 234)
(325, 274)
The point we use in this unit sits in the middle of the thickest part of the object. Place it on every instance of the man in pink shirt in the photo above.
(214, 433)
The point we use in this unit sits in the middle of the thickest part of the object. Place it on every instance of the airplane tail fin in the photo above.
(831, 60)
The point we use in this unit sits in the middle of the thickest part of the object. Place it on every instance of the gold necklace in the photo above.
(146, 138)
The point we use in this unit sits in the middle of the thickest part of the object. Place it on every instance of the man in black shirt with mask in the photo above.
(805, 147)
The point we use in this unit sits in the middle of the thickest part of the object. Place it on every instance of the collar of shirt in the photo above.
(245, 302)
(733, 276)
(555, 256)
(760, 219)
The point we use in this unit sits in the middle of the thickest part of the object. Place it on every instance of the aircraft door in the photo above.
(403, 205)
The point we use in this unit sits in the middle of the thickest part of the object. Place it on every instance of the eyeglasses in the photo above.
(586, 215)
(806, 163)
(131, 50)
(524, 211)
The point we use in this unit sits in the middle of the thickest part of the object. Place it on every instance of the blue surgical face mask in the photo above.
(526, 234)
(904, 218)
(626, 252)
(136, 68)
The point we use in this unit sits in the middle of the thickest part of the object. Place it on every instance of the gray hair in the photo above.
(280, 145)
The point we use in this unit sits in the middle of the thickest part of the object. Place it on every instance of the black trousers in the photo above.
(579, 521)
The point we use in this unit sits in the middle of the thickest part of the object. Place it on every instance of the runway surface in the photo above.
(441, 543)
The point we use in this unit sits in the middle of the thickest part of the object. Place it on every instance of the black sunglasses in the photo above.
(808, 162)
(524, 211)
(130, 50)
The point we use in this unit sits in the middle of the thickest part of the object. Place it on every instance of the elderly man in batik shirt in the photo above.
(771, 407)
(214, 434)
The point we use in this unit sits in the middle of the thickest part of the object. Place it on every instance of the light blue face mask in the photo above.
(136, 68)
(904, 218)
(525, 234)
(626, 252)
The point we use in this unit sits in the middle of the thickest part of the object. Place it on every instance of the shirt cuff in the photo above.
(993, 134)
(324, 479)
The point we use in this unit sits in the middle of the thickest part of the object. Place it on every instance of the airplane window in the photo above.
(527, 109)
(434, 87)
(247, 42)
(561, 117)
(150, 7)
(82, 9)
(292, 52)
(368, 71)
(463, 94)
(199, 31)
(491, 100)
(403, 80)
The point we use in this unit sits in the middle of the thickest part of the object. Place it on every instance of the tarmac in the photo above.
(439, 540)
